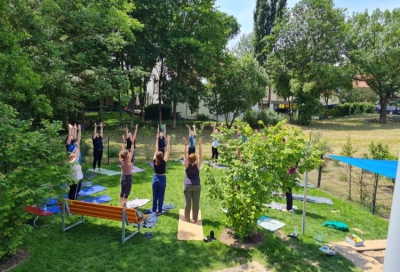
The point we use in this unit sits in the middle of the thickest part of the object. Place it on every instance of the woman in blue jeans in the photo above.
(159, 179)
(191, 184)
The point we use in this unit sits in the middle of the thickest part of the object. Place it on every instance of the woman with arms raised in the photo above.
(191, 185)
(159, 179)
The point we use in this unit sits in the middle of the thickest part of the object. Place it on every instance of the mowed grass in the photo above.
(96, 244)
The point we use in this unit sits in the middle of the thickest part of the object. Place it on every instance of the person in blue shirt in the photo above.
(97, 141)
(75, 142)
(192, 140)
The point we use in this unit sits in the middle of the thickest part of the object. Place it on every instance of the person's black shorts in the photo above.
(126, 185)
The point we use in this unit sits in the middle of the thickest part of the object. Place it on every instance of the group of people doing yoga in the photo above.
(192, 163)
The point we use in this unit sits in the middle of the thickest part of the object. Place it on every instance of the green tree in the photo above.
(244, 187)
(348, 150)
(32, 168)
(310, 39)
(245, 45)
(375, 53)
(238, 86)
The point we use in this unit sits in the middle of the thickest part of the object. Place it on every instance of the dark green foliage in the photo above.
(152, 113)
(307, 106)
(268, 117)
(32, 168)
(352, 108)
(202, 117)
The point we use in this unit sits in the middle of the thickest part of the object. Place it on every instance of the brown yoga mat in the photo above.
(189, 230)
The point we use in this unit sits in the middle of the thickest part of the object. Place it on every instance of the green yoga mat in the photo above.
(106, 172)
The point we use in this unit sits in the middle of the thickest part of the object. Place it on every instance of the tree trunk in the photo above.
(269, 97)
(101, 109)
(159, 91)
(174, 114)
(382, 115)
(132, 111)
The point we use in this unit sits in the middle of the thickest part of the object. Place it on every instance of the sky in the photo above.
(243, 10)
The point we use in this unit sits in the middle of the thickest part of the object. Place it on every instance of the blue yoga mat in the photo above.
(91, 190)
(99, 199)
(51, 201)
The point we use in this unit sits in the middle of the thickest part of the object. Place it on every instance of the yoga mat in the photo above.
(137, 169)
(189, 230)
(89, 175)
(270, 224)
(99, 199)
(278, 206)
(87, 184)
(137, 203)
(91, 190)
(51, 201)
(309, 185)
(314, 199)
(107, 172)
(53, 209)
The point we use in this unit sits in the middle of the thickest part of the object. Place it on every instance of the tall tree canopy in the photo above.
(307, 43)
(375, 53)
(236, 87)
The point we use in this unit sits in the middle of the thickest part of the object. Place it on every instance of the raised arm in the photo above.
(134, 135)
(156, 147)
(78, 138)
(189, 129)
(70, 132)
(126, 131)
(165, 130)
(123, 143)
(194, 130)
(200, 160)
(166, 157)
(95, 131)
(101, 129)
(185, 153)
(74, 132)
(131, 151)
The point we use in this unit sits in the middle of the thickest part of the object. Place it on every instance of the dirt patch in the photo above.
(15, 260)
(255, 240)
(378, 255)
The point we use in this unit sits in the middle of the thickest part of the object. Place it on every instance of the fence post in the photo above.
(320, 172)
(108, 150)
(374, 193)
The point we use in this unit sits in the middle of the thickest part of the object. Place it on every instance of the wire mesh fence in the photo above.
(373, 193)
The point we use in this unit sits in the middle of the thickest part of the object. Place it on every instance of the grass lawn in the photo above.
(95, 245)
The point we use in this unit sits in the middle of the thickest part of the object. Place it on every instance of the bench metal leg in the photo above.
(125, 222)
(64, 211)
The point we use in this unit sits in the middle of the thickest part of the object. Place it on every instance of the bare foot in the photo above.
(284, 210)
(99, 169)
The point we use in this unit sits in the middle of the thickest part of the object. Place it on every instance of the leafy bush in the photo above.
(268, 117)
(202, 117)
(352, 108)
(31, 161)
(151, 112)
(243, 188)
(307, 107)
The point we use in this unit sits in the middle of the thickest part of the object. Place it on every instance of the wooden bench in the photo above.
(126, 215)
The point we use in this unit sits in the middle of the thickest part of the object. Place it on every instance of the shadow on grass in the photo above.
(285, 256)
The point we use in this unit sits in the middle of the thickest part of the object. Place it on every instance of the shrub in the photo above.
(31, 162)
(352, 108)
(202, 117)
(151, 112)
(268, 117)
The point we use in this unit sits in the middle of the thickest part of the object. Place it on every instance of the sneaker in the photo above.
(99, 169)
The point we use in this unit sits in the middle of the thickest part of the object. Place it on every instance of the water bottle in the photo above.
(319, 237)
(295, 230)
(44, 209)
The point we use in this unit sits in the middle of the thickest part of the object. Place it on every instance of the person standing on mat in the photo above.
(131, 139)
(192, 139)
(288, 194)
(76, 173)
(191, 184)
(215, 144)
(161, 138)
(125, 159)
(97, 146)
(159, 182)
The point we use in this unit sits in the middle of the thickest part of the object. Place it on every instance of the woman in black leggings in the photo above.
(97, 146)
(215, 144)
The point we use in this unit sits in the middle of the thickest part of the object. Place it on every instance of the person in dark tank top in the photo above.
(191, 184)
(131, 139)
(161, 139)
(97, 141)
(159, 182)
